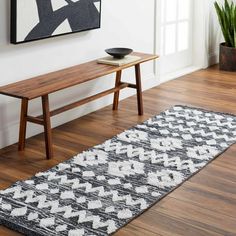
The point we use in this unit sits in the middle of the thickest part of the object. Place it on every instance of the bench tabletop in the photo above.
(58, 80)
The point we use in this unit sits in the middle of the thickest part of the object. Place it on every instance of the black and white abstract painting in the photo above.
(38, 19)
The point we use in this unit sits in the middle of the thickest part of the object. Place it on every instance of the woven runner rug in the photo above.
(102, 189)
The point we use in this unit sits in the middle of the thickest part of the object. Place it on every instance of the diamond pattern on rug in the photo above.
(102, 189)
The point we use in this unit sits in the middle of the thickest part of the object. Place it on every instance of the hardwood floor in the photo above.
(203, 205)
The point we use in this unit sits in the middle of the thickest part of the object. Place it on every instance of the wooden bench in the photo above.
(44, 85)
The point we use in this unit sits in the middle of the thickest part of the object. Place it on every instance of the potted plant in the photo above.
(227, 18)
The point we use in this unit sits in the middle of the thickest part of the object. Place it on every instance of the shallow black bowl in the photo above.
(119, 53)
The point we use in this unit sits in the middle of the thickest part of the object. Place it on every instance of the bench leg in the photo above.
(23, 124)
(139, 89)
(117, 94)
(47, 127)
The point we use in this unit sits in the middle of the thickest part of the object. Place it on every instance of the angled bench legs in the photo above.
(139, 89)
(117, 94)
(47, 127)
(23, 124)
(45, 119)
(137, 86)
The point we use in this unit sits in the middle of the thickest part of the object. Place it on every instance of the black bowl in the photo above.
(119, 53)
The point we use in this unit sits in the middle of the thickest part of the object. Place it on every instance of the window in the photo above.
(176, 34)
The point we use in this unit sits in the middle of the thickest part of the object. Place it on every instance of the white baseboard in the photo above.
(213, 58)
(179, 73)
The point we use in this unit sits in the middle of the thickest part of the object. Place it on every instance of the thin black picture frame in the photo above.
(13, 26)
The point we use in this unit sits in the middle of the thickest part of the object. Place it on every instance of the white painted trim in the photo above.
(179, 73)
(157, 33)
(213, 58)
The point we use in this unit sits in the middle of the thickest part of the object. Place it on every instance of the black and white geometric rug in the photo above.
(102, 189)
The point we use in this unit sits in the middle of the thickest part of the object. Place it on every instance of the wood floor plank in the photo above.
(168, 225)
(203, 205)
(199, 217)
(132, 229)
(208, 198)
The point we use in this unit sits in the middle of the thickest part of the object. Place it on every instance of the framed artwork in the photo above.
(39, 19)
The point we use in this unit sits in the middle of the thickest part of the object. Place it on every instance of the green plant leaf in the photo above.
(227, 19)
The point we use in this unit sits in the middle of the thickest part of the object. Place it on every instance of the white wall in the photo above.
(207, 34)
(215, 34)
(124, 23)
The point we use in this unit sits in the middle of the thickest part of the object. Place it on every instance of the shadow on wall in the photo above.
(5, 11)
(5, 21)
(3, 120)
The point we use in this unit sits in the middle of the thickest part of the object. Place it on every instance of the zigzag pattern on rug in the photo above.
(102, 189)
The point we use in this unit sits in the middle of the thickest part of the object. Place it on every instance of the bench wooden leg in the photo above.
(139, 89)
(23, 124)
(117, 93)
(47, 127)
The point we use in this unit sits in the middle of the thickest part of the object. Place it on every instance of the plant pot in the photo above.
(227, 58)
